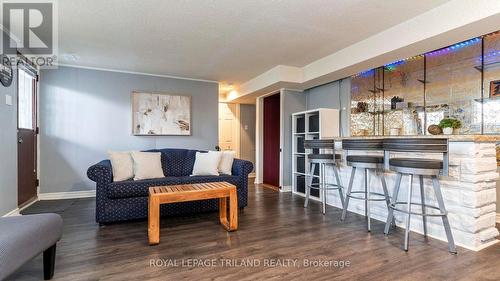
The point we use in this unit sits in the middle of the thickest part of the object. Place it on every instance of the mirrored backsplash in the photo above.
(461, 81)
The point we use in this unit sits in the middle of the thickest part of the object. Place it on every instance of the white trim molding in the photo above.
(135, 72)
(498, 218)
(15, 212)
(286, 188)
(67, 195)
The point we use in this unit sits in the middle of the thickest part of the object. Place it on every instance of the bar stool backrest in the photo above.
(427, 145)
(418, 145)
(319, 144)
(363, 144)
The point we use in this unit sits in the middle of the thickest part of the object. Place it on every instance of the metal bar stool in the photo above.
(323, 154)
(421, 168)
(367, 163)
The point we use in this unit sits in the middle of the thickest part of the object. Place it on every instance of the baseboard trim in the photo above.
(67, 195)
(17, 211)
(14, 212)
(286, 188)
(252, 175)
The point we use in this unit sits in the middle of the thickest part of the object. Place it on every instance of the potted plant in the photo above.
(448, 124)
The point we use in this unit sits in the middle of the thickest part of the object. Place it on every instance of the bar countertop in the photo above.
(452, 138)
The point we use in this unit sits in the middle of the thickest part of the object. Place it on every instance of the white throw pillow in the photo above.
(122, 165)
(207, 163)
(147, 165)
(226, 162)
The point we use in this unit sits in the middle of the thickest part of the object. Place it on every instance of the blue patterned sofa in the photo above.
(128, 200)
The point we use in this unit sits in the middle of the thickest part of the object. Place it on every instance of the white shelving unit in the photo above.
(321, 123)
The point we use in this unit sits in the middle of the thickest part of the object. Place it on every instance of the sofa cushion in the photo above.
(140, 188)
(122, 165)
(147, 165)
(207, 163)
(176, 162)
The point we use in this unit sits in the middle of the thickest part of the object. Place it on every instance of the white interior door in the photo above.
(229, 127)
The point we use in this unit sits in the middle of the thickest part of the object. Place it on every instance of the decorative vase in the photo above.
(448, 131)
(434, 129)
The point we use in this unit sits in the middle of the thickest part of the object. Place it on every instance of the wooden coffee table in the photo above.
(192, 192)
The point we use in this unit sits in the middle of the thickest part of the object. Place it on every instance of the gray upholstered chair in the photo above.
(24, 237)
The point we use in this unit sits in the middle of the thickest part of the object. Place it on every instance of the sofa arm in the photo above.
(241, 167)
(101, 172)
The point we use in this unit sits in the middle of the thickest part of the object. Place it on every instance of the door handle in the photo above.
(20, 140)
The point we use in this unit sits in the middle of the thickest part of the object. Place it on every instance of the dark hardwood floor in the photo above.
(273, 227)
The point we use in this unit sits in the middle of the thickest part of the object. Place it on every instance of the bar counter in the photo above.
(469, 190)
(451, 138)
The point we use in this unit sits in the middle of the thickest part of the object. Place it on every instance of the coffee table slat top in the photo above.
(156, 190)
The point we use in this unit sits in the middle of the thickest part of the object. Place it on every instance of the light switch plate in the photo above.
(8, 99)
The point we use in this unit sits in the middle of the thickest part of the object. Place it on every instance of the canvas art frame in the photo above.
(160, 114)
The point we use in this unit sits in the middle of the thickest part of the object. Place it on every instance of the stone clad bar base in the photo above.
(469, 193)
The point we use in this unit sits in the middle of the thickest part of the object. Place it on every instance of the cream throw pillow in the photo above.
(147, 165)
(226, 162)
(122, 165)
(207, 163)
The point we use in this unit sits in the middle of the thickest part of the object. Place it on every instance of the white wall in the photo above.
(8, 148)
(336, 95)
(247, 132)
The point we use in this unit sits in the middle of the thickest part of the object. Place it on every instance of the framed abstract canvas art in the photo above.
(495, 89)
(160, 114)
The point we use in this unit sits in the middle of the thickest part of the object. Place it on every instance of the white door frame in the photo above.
(259, 138)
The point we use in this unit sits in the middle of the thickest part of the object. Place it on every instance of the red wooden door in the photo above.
(271, 130)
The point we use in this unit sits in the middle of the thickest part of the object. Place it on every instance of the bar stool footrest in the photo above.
(316, 186)
(393, 206)
(371, 193)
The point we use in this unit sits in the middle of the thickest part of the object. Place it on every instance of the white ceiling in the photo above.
(221, 40)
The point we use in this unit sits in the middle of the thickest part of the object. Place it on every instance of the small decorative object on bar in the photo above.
(394, 101)
(435, 130)
(160, 114)
(448, 124)
(362, 106)
(495, 89)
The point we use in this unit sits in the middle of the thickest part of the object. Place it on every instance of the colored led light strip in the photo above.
(392, 66)
(454, 47)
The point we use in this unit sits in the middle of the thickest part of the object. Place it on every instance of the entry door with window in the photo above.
(26, 135)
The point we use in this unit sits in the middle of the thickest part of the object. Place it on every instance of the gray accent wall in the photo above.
(8, 148)
(84, 113)
(247, 132)
(291, 102)
(336, 95)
